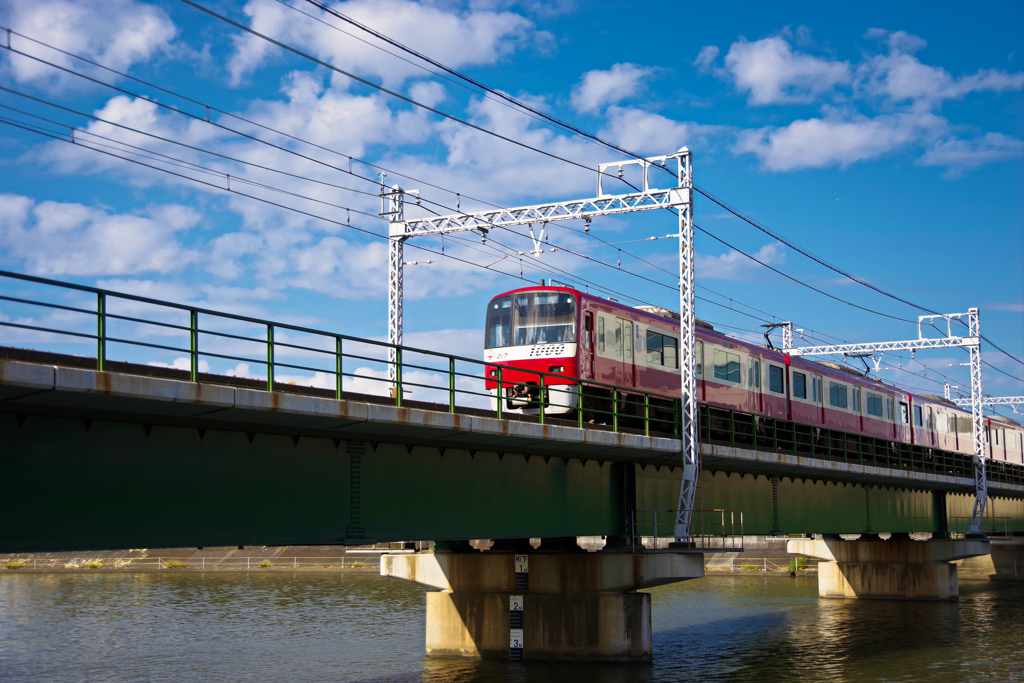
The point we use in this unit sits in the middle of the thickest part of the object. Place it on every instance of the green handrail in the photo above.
(797, 437)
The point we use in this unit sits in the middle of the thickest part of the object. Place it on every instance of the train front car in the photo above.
(531, 331)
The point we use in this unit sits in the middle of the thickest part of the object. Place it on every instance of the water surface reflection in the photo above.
(364, 628)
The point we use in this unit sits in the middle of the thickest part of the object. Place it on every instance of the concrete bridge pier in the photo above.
(893, 569)
(531, 604)
(1006, 563)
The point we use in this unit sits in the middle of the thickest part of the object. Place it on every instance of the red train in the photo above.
(561, 330)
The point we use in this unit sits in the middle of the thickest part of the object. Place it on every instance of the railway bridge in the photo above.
(104, 450)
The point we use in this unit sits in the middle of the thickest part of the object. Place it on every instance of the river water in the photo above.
(297, 628)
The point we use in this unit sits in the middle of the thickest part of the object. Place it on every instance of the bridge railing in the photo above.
(717, 530)
(204, 344)
(729, 427)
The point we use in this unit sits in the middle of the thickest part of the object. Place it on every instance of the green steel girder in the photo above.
(75, 484)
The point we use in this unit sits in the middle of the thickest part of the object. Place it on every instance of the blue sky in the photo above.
(885, 138)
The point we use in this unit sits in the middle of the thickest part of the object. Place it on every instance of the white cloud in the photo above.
(649, 133)
(899, 77)
(735, 266)
(963, 155)
(597, 89)
(457, 40)
(834, 141)
(706, 57)
(116, 33)
(772, 73)
(183, 363)
(1012, 306)
(57, 238)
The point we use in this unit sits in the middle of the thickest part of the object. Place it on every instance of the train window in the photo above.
(918, 420)
(664, 350)
(753, 373)
(929, 420)
(817, 389)
(874, 405)
(799, 385)
(775, 379)
(904, 414)
(837, 394)
(727, 367)
(889, 409)
(655, 356)
(544, 318)
(698, 359)
(856, 399)
(996, 432)
(499, 323)
(600, 333)
(627, 337)
(618, 337)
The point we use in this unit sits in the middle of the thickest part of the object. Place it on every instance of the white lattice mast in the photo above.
(977, 422)
(972, 342)
(604, 204)
(393, 206)
(688, 380)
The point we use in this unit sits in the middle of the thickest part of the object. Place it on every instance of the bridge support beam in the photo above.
(900, 569)
(554, 606)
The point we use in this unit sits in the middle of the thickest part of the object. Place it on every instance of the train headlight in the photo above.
(556, 368)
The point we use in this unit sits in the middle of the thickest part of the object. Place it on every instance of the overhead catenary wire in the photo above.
(312, 215)
(532, 111)
(535, 149)
(177, 110)
(294, 209)
(275, 170)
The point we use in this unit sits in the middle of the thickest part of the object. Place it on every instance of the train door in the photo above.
(628, 367)
(754, 383)
(587, 357)
(818, 393)
(904, 424)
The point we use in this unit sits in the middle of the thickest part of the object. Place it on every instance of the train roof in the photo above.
(939, 399)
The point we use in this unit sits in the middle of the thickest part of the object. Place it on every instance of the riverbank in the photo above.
(761, 556)
(309, 558)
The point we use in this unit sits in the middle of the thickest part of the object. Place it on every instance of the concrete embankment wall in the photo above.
(760, 554)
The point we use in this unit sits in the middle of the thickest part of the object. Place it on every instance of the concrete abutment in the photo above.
(895, 569)
(576, 606)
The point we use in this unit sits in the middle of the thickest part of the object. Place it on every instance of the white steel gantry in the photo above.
(679, 197)
(972, 342)
(1012, 401)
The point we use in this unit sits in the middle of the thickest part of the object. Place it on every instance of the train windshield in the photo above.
(531, 318)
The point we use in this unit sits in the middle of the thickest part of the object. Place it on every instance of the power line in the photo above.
(274, 170)
(382, 89)
(176, 110)
(703, 192)
(534, 113)
(56, 137)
